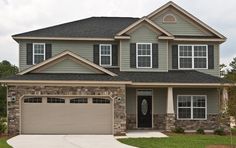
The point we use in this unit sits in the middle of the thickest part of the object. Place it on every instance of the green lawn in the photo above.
(178, 141)
(3, 143)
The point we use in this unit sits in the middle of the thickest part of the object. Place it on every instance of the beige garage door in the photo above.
(56, 115)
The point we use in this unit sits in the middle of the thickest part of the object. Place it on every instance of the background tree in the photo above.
(6, 69)
(232, 64)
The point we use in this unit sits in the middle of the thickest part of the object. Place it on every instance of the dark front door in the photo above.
(144, 111)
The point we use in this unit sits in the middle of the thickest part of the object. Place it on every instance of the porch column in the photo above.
(224, 117)
(224, 100)
(170, 114)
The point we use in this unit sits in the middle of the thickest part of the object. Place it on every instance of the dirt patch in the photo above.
(220, 146)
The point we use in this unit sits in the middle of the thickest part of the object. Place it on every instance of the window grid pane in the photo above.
(55, 100)
(33, 100)
(101, 101)
(79, 100)
(200, 62)
(185, 62)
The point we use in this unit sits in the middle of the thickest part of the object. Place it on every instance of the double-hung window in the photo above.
(193, 57)
(105, 54)
(144, 55)
(191, 107)
(38, 52)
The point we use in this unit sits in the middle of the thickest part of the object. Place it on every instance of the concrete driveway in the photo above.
(65, 141)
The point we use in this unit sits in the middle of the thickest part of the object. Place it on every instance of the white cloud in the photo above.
(24, 15)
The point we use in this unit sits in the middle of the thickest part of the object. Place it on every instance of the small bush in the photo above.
(200, 131)
(3, 126)
(178, 130)
(219, 131)
(233, 130)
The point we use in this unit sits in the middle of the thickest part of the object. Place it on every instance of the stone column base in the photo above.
(170, 122)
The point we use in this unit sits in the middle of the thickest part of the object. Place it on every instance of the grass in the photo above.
(3, 143)
(179, 141)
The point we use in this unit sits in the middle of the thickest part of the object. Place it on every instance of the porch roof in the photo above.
(172, 76)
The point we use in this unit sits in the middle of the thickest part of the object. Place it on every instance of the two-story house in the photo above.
(106, 75)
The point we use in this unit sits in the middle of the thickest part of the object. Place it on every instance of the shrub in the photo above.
(219, 131)
(3, 126)
(200, 131)
(178, 130)
(233, 130)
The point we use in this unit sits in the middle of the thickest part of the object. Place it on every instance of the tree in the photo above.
(6, 69)
(232, 64)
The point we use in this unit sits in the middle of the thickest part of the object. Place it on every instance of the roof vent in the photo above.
(169, 19)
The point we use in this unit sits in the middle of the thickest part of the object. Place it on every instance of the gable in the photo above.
(182, 26)
(67, 65)
(144, 33)
(60, 57)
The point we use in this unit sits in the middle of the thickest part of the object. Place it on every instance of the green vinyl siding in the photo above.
(160, 98)
(211, 93)
(69, 66)
(214, 72)
(183, 25)
(82, 48)
(143, 35)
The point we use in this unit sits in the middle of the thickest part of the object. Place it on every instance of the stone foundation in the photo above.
(131, 121)
(159, 121)
(213, 121)
(118, 93)
(169, 122)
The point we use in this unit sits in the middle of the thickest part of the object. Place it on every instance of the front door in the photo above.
(144, 111)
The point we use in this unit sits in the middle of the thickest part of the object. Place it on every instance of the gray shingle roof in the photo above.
(173, 76)
(93, 27)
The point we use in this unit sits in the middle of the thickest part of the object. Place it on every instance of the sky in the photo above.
(17, 16)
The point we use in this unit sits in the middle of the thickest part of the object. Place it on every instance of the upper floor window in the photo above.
(144, 55)
(169, 18)
(193, 56)
(38, 52)
(105, 54)
(191, 107)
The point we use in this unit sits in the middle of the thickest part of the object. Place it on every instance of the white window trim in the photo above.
(44, 50)
(192, 108)
(143, 55)
(193, 57)
(100, 55)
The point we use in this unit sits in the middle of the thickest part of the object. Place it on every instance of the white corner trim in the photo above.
(71, 54)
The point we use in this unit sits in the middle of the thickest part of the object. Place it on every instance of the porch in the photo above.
(164, 108)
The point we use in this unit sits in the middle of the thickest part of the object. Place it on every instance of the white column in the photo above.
(170, 101)
(225, 99)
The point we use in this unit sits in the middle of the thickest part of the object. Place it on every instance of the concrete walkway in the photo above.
(143, 134)
(65, 141)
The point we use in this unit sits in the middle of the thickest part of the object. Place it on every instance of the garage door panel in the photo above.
(50, 118)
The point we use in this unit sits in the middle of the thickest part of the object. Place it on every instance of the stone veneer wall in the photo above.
(213, 121)
(167, 122)
(118, 93)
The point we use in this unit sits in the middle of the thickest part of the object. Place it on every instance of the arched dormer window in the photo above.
(169, 18)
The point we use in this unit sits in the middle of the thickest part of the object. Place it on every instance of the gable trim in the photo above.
(195, 19)
(139, 22)
(72, 55)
